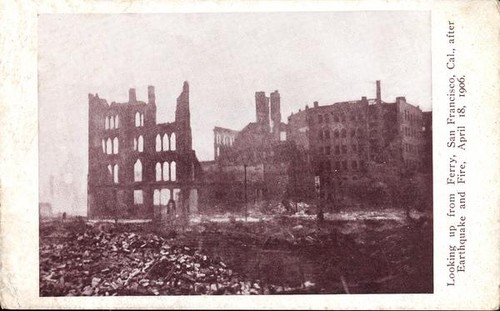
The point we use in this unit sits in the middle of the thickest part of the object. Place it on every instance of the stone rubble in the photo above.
(100, 263)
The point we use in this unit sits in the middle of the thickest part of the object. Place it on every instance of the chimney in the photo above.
(262, 108)
(275, 112)
(401, 99)
(379, 97)
(151, 94)
(315, 104)
(131, 96)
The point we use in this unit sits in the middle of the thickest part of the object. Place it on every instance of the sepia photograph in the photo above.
(235, 153)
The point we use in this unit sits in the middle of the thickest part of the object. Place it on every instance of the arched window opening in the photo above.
(158, 143)
(115, 145)
(111, 122)
(138, 197)
(173, 176)
(135, 143)
(103, 145)
(138, 170)
(115, 174)
(166, 146)
(172, 142)
(106, 123)
(158, 171)
(110, 170)
(164, 196)
(109, 146)
(137, 119)
(156, 197)
(142, 119)
(117, 121)
(176, 193)
(166, 175)
(140, 144)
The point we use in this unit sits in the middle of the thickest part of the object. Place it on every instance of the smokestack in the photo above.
(379, 97)
(315, 104)
(131, 96)
(151, 94)
(275, 112)
(262, 108)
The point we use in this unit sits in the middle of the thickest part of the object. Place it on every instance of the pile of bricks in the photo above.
(96, 262)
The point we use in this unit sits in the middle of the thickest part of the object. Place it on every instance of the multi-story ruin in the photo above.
(345, 140)
(331, 152)
(136, 165)
(250, 165)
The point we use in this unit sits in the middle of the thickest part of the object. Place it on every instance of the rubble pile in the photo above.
(97, 262)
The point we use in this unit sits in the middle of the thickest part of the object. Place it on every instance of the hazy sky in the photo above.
(226, 58)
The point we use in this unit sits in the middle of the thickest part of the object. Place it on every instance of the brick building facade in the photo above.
(256, 154)
(344, 141)
(136, 165)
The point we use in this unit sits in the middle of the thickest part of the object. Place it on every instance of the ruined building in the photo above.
(348, 141)
(136, 165)
(256, 154)
(342, 153)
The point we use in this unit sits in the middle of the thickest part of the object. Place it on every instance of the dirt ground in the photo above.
(351, 252)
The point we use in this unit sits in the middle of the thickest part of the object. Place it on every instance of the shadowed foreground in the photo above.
(373, 253)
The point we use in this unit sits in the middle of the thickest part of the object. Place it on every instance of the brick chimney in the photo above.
(379, 96)
(151, 94)
(131, 96)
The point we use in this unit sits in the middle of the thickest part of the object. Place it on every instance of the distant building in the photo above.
(343, 140)
(137, 165)
(336, 149)
(260, 149)
(427, 135)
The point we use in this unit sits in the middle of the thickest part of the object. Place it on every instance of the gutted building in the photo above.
(343, 141)
(136, 165)
(250, 165)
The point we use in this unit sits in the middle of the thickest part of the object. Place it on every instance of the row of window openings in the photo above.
(163, 196)
(224, 140)
(339, 118)
(325, 134)
(160, 196)
(139, 119)
(411, 117)
(327, 150)
(111, 146)
(412, 163)
(412, 148)
(166, 172)
(167, 143)
(111, 122)
(408, 131)
(342, 165)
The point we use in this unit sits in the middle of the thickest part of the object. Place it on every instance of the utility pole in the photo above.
(317, 182)
(246, 207)
(295, 188)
